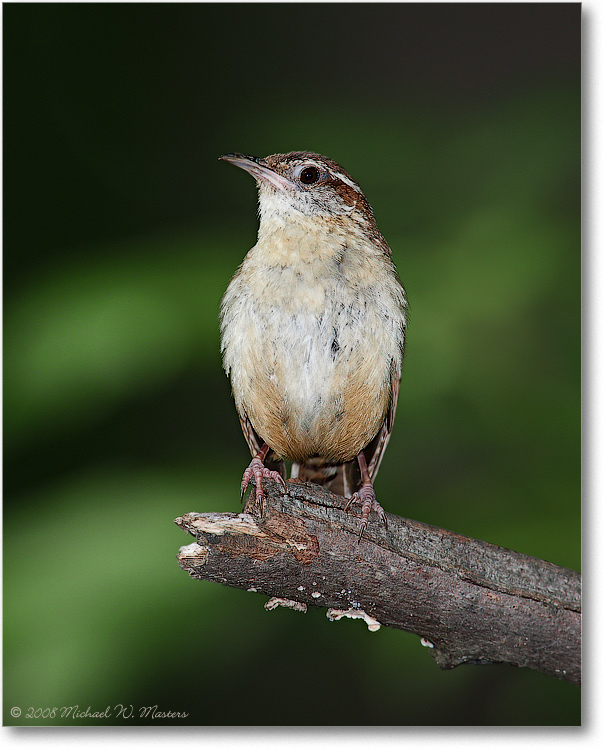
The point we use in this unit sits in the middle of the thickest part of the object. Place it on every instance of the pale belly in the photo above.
(312, 372)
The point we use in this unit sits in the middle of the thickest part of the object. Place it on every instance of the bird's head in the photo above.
(304, 183)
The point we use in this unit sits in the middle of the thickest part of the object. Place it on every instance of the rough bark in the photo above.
(469, 600)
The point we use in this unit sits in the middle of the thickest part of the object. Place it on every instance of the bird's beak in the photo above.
(259, 169)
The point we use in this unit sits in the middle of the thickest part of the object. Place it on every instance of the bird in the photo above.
(313, 327)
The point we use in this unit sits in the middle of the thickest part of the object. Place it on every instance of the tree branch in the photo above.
(470, 601)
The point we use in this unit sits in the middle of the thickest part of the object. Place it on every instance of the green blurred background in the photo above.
(121, 232)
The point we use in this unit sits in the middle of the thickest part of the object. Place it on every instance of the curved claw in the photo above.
(279, 479)
(259, 471)
(366, 497)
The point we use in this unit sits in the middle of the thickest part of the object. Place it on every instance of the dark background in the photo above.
(121, 231)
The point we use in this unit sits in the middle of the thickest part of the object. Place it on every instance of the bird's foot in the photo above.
(259, 471)
(366, 497)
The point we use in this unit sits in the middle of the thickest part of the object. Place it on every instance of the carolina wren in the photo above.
(312, 330)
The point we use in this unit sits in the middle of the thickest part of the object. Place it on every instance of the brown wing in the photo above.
(255, 443)
(375, 450)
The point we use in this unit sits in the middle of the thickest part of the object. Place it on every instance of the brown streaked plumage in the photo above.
(313, 329)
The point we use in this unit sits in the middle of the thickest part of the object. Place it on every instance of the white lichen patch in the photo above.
(277, 601)
(336, 614)
(301, 588)
(194, 553)
(316, 594)
(218, 524)
(300, 546)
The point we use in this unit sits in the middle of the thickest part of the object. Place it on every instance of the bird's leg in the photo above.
(259, 471)
(366, 497)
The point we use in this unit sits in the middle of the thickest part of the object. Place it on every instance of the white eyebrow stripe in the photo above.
(347, 181)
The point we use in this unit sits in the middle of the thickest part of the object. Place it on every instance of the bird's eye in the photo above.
(309, 175)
